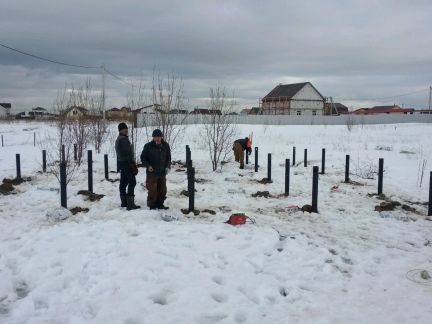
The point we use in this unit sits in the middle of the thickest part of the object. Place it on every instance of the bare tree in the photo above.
(61, 141)
(168, 99)
(135, 100)
(218, 131)
(80, 126)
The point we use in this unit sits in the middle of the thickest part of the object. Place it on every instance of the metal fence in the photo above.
(150, 120)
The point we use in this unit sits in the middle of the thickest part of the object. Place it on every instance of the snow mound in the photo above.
(58, 214)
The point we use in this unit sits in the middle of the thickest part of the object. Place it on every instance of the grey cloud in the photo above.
(348, 49)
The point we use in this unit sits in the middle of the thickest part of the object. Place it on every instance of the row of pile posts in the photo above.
(191, 174)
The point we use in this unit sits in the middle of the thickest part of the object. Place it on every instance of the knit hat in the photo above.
(157, 133)
(122, 126)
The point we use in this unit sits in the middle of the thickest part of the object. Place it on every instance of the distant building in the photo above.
(5, 110)
(245, 111)
(293, 99)
(178, 112)
(150, 109)
(335, 109)
(39, 113)
(119, 113)
(75, 112)
(377, 110)
(199, 111)
(255, 111)
(423, 111)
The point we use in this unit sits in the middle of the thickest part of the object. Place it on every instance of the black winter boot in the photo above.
(131, 203)
(123, 201)
(160, 205)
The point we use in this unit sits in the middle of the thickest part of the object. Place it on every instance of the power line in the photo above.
(49, 60)
(383, 98)
(119, 78)
(67, 64)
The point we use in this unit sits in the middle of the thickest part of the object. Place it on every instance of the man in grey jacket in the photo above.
(127, 166)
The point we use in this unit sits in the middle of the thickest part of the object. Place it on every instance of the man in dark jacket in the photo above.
(241, 145)
(156, 157)
(127, 166)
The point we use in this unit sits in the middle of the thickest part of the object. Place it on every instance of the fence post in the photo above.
(18, 166)
(63, 154)
(34, 139)
(269, 166)
(430, 196)
(90, 170)
(380, 176)
(106, 166)
(188, 157)
(347, 167)
(256, 159)
(323, 161)
(2, 141)
(75, 152)
(192, 189)
(287, 176)
(315, 190)
(294, 155)
(305, 158)
(63, 193)
(44, 160)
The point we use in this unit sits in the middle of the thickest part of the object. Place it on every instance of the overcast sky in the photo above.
(348, 49)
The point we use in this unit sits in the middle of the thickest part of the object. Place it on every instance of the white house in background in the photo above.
(293, 99)
(5, 109)
(151, 109)
(245, 111)
(39, 113)
(75, 112)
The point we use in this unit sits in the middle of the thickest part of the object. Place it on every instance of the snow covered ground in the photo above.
(347, 264)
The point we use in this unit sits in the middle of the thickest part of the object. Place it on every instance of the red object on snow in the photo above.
(238, 219)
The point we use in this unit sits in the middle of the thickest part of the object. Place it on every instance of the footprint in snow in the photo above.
(21, 289)
(240, 317)
(220, 298)
(211, 319)
(219, 280)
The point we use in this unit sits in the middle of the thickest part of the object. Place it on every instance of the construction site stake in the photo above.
(315, 190)
(256, 159)
(347, 167)
(287, 176)
(90, 170)
(380, 176)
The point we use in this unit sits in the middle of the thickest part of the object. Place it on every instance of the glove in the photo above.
(134, 168)
(167, 170)
(150, 169)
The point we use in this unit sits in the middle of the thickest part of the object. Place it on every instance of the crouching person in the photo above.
(156, 157)
(127, 166)
(241, 145)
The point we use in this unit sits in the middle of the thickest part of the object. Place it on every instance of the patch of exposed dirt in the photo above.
(387, 205)
(209, 211)
(186, 211)
(90, 195)
(16, 181)
(263, 181)
(6, 188)
(77, 210)
(264, 194)
(306, 208)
